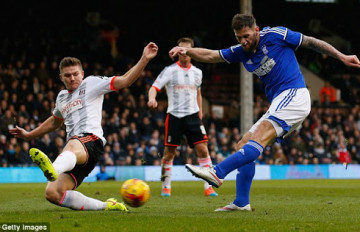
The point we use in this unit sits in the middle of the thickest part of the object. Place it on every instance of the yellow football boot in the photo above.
(44, 163)
(114, 205)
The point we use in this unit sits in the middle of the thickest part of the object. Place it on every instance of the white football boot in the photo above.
(206, 173)
(233, 207)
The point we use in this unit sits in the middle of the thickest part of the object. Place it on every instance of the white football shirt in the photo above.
(82, 108)
(181, 86)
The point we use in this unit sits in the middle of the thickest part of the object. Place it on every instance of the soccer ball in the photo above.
(135, 192)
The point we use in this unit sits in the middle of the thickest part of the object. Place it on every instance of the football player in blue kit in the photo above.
(270, 54)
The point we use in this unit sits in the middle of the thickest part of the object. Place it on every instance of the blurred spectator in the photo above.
(24, 157)
(134, 136)
(140, 155)
(343, 154)
(103, 175)
(327, 94)
(118, 153)
(7, 122)
(106, 160)
(153, 156)
(146, 129)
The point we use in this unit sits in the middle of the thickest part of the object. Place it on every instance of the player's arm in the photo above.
(326, 48)
(199, 54)
(150, 51)
(199, 101)
(47, 126)
(152, 103)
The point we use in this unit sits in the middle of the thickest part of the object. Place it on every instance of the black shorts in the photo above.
(94, 150)
(191, 126)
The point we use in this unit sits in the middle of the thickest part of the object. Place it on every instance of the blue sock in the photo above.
(249, 152)
(243, 184)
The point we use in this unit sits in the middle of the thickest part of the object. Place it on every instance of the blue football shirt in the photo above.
(274, 61)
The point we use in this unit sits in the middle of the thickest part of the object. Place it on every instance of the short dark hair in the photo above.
(69, 61)
(186, 40)
(240, 21)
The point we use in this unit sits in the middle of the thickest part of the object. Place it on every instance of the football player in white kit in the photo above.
(182, 81)
(79, 107)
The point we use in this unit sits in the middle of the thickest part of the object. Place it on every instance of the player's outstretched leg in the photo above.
(77, 201)
(44, 163)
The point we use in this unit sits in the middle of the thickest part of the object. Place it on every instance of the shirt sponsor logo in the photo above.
(266, 66)
(71, 107)
(184, 87)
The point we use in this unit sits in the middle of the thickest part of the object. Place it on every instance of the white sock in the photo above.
(167, 165)
(66, 161)
(205, 162)
(78, 201)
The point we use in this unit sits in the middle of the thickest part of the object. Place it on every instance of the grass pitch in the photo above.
(280, 205)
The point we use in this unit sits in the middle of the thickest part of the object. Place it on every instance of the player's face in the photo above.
(72, 77)
(184, 58)
(248, 37)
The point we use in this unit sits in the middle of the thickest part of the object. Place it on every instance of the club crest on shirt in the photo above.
(264, 50)
(81, 92)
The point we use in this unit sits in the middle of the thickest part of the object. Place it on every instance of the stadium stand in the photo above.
(29, 83)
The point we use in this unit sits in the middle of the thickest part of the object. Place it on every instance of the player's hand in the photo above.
(150, 51)
(200, 115)
(176, 51)
(152, 103)
(351, 61)
(19, 132)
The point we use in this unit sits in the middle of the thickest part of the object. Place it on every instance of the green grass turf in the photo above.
(280, 205)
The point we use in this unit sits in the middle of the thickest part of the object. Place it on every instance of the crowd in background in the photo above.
(135, 134)
(107, 43)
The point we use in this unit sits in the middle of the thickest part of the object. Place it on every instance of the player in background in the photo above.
(182, 81)
(270, 54)
(79, 107)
